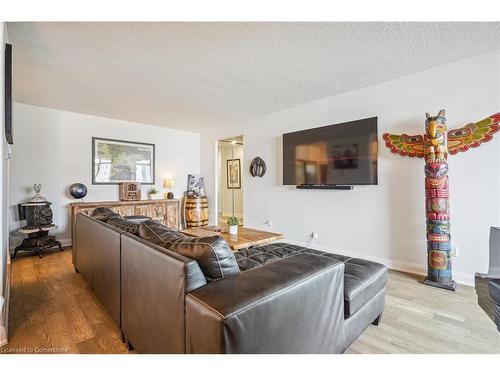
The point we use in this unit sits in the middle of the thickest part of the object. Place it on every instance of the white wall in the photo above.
(54, 147)
(385, 222)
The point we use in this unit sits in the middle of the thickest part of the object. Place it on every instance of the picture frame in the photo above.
(115, 161)
(233, 177)
(195, 185)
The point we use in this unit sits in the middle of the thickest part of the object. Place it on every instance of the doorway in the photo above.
(230, 179)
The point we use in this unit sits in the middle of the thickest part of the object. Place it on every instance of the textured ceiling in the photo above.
(193, 75)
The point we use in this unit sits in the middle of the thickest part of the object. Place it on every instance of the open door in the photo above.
(230, 179)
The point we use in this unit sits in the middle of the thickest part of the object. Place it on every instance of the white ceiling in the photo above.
(193, 75)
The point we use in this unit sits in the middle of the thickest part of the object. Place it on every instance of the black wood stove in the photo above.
(38, 216)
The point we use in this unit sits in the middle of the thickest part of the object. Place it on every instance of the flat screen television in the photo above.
(334, 155)
(8, 93)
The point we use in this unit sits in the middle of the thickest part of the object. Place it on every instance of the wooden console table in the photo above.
(166, 211)
(245, 238)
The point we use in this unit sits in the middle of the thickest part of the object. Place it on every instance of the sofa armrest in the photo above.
(295, 305)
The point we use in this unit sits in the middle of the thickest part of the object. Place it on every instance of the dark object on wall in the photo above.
(233, 174)
(78, 190)
(38, 216)
(323, 187)
(8, 94)
(257, 167)
(130, 191)
(340, 154)
(115, 161)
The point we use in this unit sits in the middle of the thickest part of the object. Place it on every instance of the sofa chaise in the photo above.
(171, 293)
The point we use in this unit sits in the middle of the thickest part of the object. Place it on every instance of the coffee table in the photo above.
(246, 237)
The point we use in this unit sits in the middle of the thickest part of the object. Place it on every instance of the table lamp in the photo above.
(167, 184)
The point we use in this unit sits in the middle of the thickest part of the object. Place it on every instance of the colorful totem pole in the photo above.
(434, 146)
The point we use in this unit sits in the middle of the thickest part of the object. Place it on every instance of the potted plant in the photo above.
(233, 223)
(153, 193)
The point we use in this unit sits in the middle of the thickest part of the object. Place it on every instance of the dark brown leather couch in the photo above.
(303, 302)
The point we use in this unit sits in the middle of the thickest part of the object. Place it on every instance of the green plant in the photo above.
(153, 190)
(233, 220)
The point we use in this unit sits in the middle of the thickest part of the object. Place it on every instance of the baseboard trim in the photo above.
(408, 267)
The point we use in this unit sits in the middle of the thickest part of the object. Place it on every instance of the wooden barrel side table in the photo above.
(196, 211)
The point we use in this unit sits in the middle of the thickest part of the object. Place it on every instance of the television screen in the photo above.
(8, 93)
(341, 154)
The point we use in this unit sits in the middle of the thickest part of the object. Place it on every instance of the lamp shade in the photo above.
(168, 183)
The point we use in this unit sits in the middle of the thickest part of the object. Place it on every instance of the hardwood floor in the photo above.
(53, 311)
(422, 319)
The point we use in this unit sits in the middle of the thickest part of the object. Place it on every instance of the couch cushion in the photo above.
(494, 289)
(212, 253)
(363, 279)
(157, 233)
(138, 218)
(104, 213)
(126, 225)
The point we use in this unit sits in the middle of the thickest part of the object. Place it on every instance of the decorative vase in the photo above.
(153, 196)
(233, 229)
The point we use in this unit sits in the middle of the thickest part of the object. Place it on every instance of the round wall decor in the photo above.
(257, 167)
(78, 190)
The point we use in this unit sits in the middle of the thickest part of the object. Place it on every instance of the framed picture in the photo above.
(195, 186)
(115, 161)
(233, 174)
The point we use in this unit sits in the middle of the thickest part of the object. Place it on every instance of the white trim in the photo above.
(408, 267)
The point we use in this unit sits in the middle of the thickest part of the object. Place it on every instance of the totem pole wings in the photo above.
(435, 145)
(472, 135)
(459, 140)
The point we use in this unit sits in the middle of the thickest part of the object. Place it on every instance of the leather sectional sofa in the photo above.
(170, 293)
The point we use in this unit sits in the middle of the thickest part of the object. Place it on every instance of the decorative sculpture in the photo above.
(434, 146)
(257, 167)
(78, 190)
(38, 216)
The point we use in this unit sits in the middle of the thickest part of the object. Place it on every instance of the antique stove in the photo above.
(38, 216)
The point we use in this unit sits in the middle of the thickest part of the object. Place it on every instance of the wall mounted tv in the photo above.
(332, 156)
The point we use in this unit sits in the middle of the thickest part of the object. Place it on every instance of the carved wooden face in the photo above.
(436, 130)
(436, 170)
(436, 175)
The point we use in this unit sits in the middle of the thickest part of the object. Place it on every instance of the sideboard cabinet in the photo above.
(166, 211)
